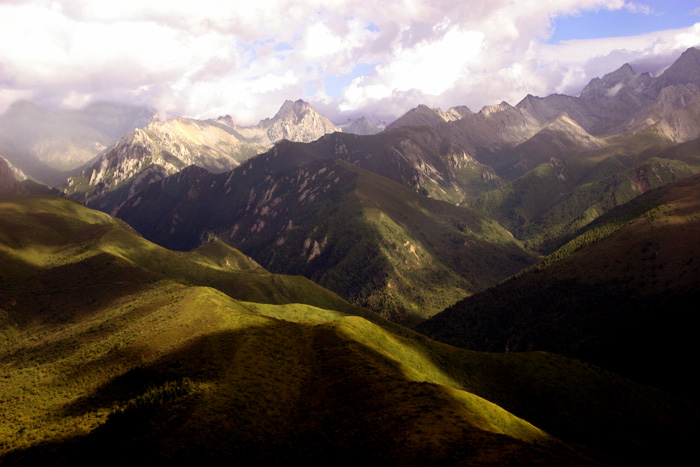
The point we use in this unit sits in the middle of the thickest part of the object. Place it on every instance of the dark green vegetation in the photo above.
(299, 210)
(622, 294)
(547, 205)
(113, 346)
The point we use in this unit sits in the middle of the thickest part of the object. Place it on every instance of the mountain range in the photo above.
(543, 170)
(263, 294)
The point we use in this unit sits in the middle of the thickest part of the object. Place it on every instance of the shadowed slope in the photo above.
(622, 294)
(108, 348)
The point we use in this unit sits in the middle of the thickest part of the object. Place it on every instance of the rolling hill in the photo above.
(114, 346)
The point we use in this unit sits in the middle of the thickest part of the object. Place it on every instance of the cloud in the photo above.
(212, 57)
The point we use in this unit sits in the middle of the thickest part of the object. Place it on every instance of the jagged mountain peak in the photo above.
(610, 84)
(226, 120)
(292, 109)
(492, 109)
(454, 113)
(295, 120)
(422, 115)
(624, 73)
(361, 126)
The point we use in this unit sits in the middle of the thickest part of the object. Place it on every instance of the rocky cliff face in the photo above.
(10, 178)
(165, 148)
(295, 121)
(159, 150)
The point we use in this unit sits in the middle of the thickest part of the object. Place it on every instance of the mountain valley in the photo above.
(508, 286)
(206, 356)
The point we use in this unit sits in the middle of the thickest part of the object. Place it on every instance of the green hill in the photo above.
(621, 294)
(107, 353)
(375, 242)
(549, 204)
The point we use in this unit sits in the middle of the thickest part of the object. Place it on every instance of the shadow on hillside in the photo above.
(281, 393)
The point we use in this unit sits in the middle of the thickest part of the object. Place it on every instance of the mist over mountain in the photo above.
(48, 144)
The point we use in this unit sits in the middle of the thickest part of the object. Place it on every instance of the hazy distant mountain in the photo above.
(361, 126)
(295, 121)
(46, 144)
(425, 116)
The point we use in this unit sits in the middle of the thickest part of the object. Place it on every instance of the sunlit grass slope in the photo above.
(104, 355)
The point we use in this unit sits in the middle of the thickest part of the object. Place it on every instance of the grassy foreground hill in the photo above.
(623, 294)
(112, 346)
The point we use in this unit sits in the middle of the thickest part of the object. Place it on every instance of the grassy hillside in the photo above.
(104, 356)
(550, 203)
(374, 241)
(622, 294)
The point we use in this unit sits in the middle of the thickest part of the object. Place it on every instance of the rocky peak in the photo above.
(454, 113)
(492, 109)
(610, 84)
(295, 121)
(684, 70)
(361, 126)
(293, 111)
(227, 120)
(419, 116)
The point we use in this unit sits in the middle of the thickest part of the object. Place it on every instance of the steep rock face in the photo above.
(454, 113)
(165, 148)
(610, 85)
(362, 126)
(494, 127)
(425, 116)
(159, 150)
(561, 137)
(590, 115)
(295, 121)
(9, 182)
(675, 114)
(683, 71)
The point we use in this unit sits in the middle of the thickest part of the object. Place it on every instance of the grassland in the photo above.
(106, 353)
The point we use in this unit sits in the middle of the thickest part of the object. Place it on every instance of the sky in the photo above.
(348, 58)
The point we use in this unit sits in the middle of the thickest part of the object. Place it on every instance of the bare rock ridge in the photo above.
(165, 148)
(295, 121)
(362, 126)
(425, 116)
(10, 178)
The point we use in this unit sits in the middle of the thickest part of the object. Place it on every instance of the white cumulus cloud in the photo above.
(213, 57)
